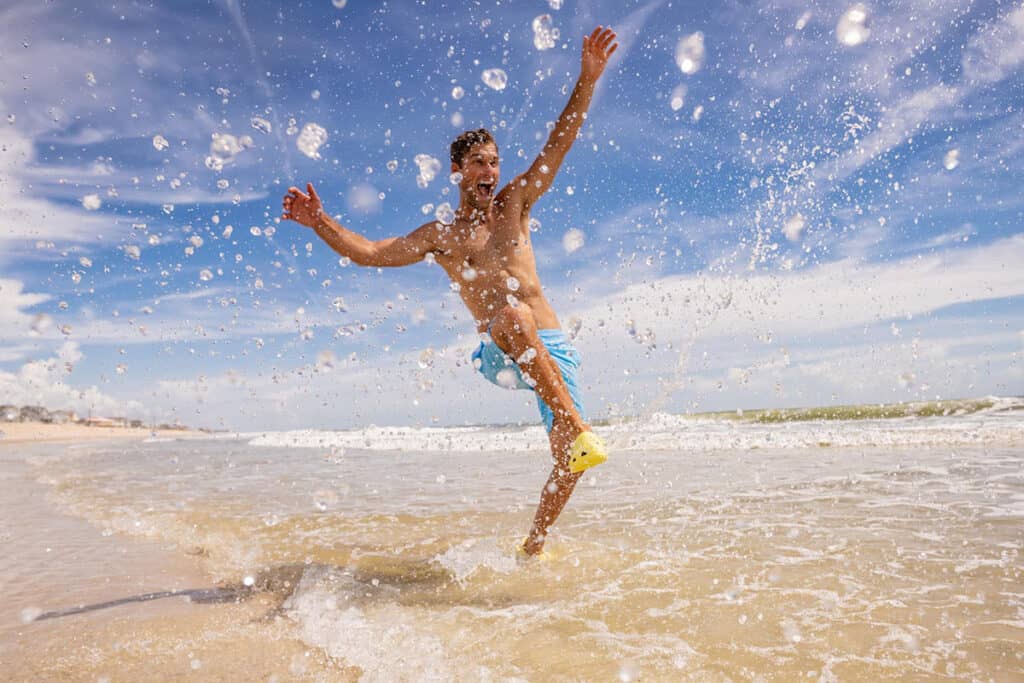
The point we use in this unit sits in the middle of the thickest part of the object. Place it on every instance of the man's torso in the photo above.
(490, 257)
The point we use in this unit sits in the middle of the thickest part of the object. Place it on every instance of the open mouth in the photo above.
(485, 189)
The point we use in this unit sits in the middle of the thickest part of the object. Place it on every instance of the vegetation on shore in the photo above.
(869, 411)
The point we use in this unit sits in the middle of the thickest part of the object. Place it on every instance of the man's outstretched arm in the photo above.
(597, 48)
(308, 210)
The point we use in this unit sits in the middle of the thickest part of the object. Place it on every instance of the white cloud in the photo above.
(790, 337)
(14, 321)
(46, 383)
(996, 50)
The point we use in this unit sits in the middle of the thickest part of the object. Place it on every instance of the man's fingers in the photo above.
(312, 192)
(606, 39)
(614, 48)
(297, 192)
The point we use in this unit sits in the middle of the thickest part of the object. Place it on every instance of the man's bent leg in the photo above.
(556, 491)
(515, 332)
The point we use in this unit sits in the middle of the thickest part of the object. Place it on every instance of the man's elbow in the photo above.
(366, 257)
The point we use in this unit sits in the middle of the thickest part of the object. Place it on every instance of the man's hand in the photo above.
(302, 208)
(597, 48)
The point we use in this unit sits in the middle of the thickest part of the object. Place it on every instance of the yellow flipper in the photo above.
(587, 450)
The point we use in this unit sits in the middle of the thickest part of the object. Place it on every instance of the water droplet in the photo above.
(544, 34)
(851, 30)
(132, 251)
(340, 4)
(690, 53)
(40, 323)
(455, 178)
(445, 214)
(205, 275)
(160, 143)
(339, 305)
(261, 124)
(255, 231)
(310, 140)
(952, 159)
(555, 4)
(678, 97)
(91, 202)
(572, 240)
(495, 78)
(392, 165)
(168, 209)
(429, 168)
(512, 283)
(507, 378)
(90, 78)
(534, 225)
(794, 227)
(458, 92)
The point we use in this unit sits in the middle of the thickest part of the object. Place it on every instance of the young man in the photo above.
(487, 252)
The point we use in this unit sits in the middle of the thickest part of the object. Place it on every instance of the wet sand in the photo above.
(825, 564)
(55, 561)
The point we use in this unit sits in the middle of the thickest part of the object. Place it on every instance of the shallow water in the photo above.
(857, 563)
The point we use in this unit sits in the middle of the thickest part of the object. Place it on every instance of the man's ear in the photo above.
(455, 167)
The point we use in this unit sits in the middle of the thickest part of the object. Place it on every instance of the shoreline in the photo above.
(39, 432)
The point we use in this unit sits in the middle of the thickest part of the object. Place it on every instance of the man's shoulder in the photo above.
(513, 193)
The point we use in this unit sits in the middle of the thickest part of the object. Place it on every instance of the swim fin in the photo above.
(587, 450)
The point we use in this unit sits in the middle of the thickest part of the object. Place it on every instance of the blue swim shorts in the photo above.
(501, 370)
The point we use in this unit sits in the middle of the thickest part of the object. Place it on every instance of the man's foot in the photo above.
(587, 451)
(531, 548)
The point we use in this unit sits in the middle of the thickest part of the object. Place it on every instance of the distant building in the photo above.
(9, 413)
(63, 417)
(102, 422)
(34, 414)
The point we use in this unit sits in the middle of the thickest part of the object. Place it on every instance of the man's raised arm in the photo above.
(597, 48)
(308, 210)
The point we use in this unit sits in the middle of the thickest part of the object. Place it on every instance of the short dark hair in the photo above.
(468, 140)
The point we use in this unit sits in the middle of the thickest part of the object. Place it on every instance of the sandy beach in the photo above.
(38, 432)
(705, 550)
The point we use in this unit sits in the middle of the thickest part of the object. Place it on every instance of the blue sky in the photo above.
(821, 207)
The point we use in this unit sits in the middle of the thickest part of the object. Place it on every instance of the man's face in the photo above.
(480, 173)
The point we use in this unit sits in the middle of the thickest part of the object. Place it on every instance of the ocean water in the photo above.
(705, 550)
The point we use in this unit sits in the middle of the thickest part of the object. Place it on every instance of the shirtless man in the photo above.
(488, 253)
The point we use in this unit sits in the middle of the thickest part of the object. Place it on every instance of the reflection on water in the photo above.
(831, 564)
